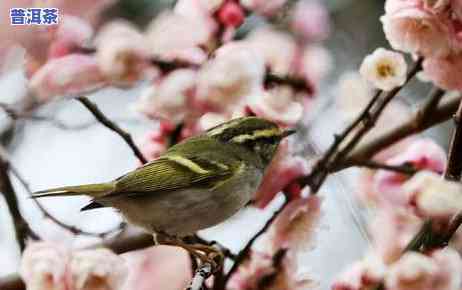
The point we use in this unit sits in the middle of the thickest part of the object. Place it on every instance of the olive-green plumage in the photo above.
(195, 184)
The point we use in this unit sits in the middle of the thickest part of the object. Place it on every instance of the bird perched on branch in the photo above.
(196, 184)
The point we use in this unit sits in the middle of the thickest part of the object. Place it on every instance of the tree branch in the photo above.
(416, 123)
(245, 252)
(112, 126)
(366, 120)
(21, 227)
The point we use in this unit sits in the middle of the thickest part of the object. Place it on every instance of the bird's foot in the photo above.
(203, 253)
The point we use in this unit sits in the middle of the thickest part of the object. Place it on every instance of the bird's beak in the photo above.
(288, 132)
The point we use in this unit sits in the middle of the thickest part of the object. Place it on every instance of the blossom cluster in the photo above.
(430, 29)
(50, 266)
(402, 203)
(195, 74)
(292, 232)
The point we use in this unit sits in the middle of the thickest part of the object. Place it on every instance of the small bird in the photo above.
(196, 184)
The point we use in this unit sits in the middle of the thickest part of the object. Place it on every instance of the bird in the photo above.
(197, 183)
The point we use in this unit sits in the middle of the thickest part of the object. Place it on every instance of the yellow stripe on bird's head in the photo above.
(259, 135)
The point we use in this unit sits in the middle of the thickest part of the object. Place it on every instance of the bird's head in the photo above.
(258, 135)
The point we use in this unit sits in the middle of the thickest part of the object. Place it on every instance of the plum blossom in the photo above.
(71, 34)
(421, 154)
(280, 175)
(279, 55)
(159, 267)
(362, 275)
(316, 63)
(227, 80)
(278, 105)
(153, 144)
(209, 120)
(98, 269)
(43, 266)
(169, 97)
(444, 71)
(49, 266)
(169, 36)
(121, 53)
(295, 227)
(311, 20)
(78, 74)
(265, 7)
(391, 230)
(434, 197)
(439, 271)
(385, 69)
(260, 265)
(251, 272)
(410, 27)
(353, 92)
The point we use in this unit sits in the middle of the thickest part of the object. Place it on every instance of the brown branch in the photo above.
(416, 123)
(21, 227)
(245, 252)
(366, 120)
(426, 238)
(72, 229)
(405, 168)
(112, 126)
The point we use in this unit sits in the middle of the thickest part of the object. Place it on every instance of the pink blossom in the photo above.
(444, 71)
(278, 56)
(209, 120)
(385, 69)
(311, 20)
(391, 230)
(295, 227)
(433, 197)
(159, 267)
(170, 36)
(43, 266)
(352, 94)
(362, 275)
(227, 80)
(169, 98)
(153, 144)
(251, 272)
(265, 7)
(278, 105)
(282, 172)
(421, 154)
(316, 63)
(411, 28)
(36, 39)
(71, 34)
(98, 269)
(231, 14)
(440, 271)
(73, 74)
(286, 276)
(121, 53)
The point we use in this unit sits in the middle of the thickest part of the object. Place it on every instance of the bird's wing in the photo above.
(172, 172)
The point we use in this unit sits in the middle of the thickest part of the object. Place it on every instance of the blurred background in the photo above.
(48, 155)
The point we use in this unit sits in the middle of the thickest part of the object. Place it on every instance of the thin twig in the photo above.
(21, 227)
(414, 124)
(245, 252)
(336, 153)
(112, 126)
(72, 229)
(406, 168)
(426, 238)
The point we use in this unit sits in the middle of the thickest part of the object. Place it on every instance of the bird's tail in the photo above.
(93, 190)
